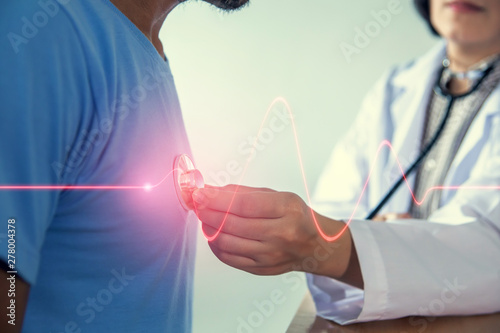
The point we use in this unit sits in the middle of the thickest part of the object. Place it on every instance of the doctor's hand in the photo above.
(266, 232)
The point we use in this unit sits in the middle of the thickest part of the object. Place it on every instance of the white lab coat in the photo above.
(446, 265)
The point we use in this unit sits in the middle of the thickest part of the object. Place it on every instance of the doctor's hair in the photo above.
(423, 8)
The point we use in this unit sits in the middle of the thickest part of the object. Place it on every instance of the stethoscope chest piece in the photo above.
(186, 179)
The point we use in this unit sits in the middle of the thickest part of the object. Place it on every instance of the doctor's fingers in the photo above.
(246, 204)
(236, 188)
(235, 245)
(235, 225)
(265, 254)
(247, 264)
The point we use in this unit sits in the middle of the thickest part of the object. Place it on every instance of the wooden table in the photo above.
(306, 321)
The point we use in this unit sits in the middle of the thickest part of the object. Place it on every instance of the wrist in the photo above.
(327, 257)
(338, 262)
(336, 259)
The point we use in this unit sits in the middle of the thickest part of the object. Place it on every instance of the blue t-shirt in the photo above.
(87, 100)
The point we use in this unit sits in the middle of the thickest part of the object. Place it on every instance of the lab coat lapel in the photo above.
(412, 89)
(475, 136)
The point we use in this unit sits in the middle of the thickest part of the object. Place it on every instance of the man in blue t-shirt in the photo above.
(88, 99)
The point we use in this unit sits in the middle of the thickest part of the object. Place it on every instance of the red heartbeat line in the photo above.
(145, 187)
(331, 238)
(148, 187)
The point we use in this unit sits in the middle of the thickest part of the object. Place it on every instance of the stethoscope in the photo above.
(187, 178)
(477, 76)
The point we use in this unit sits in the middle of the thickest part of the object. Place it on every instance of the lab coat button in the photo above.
(430, 164)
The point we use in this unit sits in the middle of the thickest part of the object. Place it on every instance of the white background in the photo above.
(229, 67)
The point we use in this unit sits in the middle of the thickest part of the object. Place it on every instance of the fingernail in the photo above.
(198, 196)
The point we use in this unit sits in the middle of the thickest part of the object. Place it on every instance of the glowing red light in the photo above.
(330, 238)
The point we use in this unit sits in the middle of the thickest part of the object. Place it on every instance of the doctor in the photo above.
(438, 258)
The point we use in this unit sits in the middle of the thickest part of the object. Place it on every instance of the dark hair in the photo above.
(424, 10)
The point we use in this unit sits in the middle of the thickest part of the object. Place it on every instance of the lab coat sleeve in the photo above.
(447, 265)
(347, 170)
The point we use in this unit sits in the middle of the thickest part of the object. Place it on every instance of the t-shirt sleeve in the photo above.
(43, 91)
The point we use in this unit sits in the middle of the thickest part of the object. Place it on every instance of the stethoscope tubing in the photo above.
(451, 100)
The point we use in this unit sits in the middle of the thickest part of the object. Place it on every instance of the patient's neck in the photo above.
(148, 16)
